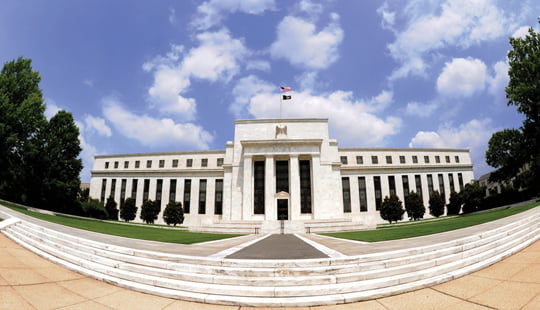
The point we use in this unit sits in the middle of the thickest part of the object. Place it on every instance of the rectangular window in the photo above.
(447, 158)
(457, 159)
(426, 159)
(388, 159)
(126, 164)
(451, 180)
(123, 190)
(343, 160)
(378, 193)
(415, 159)
(405, 183)
(363, 193)
(175, 163)
(106, 165)
(430, 184)
(219, 162)
(148, 164)
(146, 189)
(392, 184)
(438, 159)
(441, 186)
(113, 188)
(172, 190)
(134, 183)
(346, 194)
(187, 195)
(202, 196)
(115, 165)
(204, 162)
(418, 181)
(218, 200)
(161, 163)
(103, 189)
(258, 186)
(159, 191)
(460, 181)
(402, 159)
(282, 176)
(305, 186)
(359, 160)
(189, 162)
(137, 163)
(374, 160)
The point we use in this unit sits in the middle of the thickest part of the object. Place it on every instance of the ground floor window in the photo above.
(258, 187)
(218, 200)
(202, 196)
(346, 194)
(378, 193)
(305, 186)
(363, 194)
(187, 195)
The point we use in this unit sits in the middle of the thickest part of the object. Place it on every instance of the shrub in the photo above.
(128, 210)
(94, 208)
(391, 209)
(150, 211)
(414, 205)
(454, 206)
(110, 206)
(173, 213)
(472, 195)
(436, 204)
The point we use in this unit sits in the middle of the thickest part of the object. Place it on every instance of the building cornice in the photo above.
(163, 154)
(281, 142)
(387, 149)
(416, 168)
(281, 120)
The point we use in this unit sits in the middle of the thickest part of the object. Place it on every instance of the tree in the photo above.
(414, 205)
(149, 211)
(61, 147)
(505, 152)
(110, 206)
(22, 118)
(391, 209)
(436, 204)
(173, 213)
(472, 195)
(128, 210)
(454, 205)
(94, 208)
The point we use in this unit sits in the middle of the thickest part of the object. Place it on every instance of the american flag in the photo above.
(285, 88)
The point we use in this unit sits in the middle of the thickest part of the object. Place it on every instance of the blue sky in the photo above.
(157, 76)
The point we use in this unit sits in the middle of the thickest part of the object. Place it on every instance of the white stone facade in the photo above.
(292, 163)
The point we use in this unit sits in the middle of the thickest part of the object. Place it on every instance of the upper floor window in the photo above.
(415, 159)
(374, 160)
(447, 158)
(126, 164)
(189, 162)
(219, 162)
(106, 165)
(388, 159)
(401, 159)
(343, 160)
(175, 163)
(161, 163)
(115, 165)
(204, 162)
(148, 164)
(359, 160)
(438, 159)
(457, 159)
(426, 159)
(137, 163)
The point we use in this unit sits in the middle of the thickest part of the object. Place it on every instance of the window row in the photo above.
(405, 182)
(186, 203)
(161, 163)
(402, 159)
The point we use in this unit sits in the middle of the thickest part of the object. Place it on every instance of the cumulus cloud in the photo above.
(151, 131)
(51, 108)
(244, 90)
(97, 124)
(299, 43)
(498, 82)
(211, 13)
(430, 28)
(462, 77)
(260, 65)
(420, 109)
(215, 58)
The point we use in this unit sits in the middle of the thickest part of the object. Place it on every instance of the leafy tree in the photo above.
(414, 205)
(110, 206)
(436, 204)
(150, 211)
(173, 213)
(391, 209)
(505, 152)
(472, 195)
(21, 120)
(94, 208)
(454, 206)
(128, 210)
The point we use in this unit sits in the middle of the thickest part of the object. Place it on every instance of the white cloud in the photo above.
(498, 83)
(310, 7)
(211, 13)
(153, 132)
(244, 90)
(299, 43)
(172, 16)
(260, 65)
(430, 28)
(352, 121)
(420, 110)
(87, 155)
(51, 108)
(462, 77)
(97, 124)
(388, 17)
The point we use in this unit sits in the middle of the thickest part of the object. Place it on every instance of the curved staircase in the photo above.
(278, 282)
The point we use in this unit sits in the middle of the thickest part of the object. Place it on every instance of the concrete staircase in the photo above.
(275, 283)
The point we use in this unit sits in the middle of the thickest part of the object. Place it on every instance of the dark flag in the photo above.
(286, 97)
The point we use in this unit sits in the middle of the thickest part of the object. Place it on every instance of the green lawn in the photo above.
(431, 227)
(129, 231)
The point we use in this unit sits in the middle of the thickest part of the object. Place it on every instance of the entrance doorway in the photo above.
(283, 209)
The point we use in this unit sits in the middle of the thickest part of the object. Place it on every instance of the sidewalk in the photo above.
(28, 281)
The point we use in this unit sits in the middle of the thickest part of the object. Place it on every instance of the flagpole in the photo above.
(280, 106)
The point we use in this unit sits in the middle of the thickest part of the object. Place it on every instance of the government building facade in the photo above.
(280, 175)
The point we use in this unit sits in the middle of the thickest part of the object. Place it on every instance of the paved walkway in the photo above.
(279, 247)
(28, 281)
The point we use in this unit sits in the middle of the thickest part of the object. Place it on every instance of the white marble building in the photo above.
(280, 169)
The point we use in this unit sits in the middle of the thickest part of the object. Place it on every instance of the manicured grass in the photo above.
(129, 231)
(431, 227)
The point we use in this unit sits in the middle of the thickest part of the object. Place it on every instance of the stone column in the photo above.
(270, 206)
(247, 191)
(294, 188)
